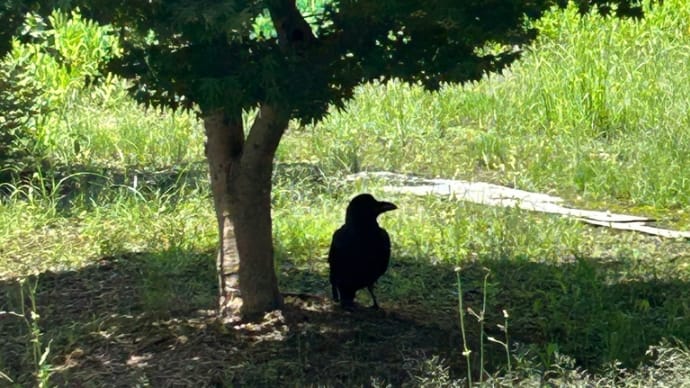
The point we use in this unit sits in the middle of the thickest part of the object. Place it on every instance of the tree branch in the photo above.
(265, 134)
(294, 33)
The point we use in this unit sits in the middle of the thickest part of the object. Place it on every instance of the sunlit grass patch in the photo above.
(597, 108)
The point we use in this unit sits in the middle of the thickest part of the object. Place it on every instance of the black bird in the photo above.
(360, 250)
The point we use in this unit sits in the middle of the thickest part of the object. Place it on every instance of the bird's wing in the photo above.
(338, 246)
(386, 242)
(382, 254)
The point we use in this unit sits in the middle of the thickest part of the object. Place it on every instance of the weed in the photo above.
(38, 352)
(461, 312)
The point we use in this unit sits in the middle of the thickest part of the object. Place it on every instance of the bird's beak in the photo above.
(386, 206)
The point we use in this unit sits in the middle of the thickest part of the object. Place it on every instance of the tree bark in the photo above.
(241, 171)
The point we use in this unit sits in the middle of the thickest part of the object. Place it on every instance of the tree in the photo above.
(206, 55)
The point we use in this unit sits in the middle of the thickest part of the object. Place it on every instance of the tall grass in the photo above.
(124, 134)
(597, 107)
(51, 228)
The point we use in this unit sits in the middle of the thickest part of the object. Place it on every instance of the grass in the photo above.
(120, 239)
(597, 109)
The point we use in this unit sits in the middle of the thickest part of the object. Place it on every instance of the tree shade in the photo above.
(205, 55)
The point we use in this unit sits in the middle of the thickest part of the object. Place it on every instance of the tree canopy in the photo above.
(184, 52)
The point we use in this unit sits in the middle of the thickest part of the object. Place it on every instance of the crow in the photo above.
(360, 250)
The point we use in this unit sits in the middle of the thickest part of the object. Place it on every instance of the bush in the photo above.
(39, 77)
(21, 105)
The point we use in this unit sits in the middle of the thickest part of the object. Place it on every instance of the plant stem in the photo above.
(481, 331)
(465, 351)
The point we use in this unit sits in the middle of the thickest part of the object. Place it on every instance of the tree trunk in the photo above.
(241, 171)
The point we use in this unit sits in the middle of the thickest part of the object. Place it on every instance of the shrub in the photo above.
(42, 75)
(21, 104)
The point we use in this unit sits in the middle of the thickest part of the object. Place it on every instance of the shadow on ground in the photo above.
(147, 320)
(125, 321)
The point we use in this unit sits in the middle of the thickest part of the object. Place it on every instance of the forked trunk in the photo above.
(241, 172)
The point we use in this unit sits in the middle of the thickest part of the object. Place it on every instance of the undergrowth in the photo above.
(595, 111)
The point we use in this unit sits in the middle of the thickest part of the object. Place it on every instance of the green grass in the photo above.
(598, 109)
(104, 127)
(121, 236)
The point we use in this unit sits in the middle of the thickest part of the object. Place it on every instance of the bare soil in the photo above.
(104, 333)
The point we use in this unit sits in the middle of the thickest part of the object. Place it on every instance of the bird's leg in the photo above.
(347, 298)
(371, 291)
(336, 295)
(348, 305)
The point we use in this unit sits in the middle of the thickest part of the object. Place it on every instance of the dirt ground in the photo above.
(102, 333)
(148, 319)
